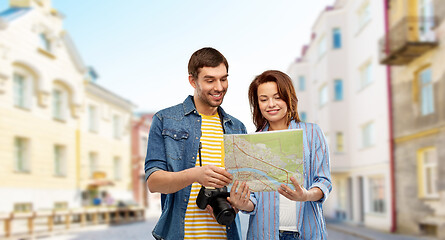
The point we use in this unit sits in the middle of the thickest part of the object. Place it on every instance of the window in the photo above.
(363, 15)
(45, 43)
(323, 95)
(303, 116)
(368, 135)
(322, 48)
(93, 163)
(339, 142)
(338, 90)
(365, 75)
(59, 104)
(336, 38)
(117, 168)
(23, 207)
(428, 172)
(21, 158)
(301, 83)
(22, 91)
(59, 160)
(377, 194)
(92, 118)
(116, 127)
(144, 142)
(427, 93)
(60, 205)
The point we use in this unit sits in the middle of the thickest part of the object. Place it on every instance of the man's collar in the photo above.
(189, 105)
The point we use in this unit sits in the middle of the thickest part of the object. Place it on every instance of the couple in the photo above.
(183, 134)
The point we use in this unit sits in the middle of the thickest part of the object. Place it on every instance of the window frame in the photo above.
(60, 163)
(26, 92)
(323, 95)
(24, 164)
(422, 168)
(93, 118)
(426, 99)
(368, 134)
(338, 97)
(117, 168)
(336, 38)
(374, 206)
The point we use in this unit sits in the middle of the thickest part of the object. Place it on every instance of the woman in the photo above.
(287, 213)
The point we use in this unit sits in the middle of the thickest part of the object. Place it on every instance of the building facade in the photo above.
(141, 124)
(342, 87)
(63, 138)
(414, 52)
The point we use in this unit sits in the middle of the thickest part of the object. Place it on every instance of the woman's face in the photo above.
(272, 107)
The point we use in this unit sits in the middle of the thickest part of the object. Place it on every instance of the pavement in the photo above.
(368, 233)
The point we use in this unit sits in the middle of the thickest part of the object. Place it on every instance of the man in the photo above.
(172, 165)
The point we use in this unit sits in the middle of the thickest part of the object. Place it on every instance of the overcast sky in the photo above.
(141, 48)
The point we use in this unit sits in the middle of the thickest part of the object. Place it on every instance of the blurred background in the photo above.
(81, 80)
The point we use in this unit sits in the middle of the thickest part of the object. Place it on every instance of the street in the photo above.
(142, 230)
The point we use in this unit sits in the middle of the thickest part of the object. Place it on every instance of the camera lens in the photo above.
(223, 212)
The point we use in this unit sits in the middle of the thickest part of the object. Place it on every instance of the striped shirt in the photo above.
(310, 223)
(199, 224)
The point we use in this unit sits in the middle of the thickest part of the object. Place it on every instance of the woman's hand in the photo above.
(240, 198)
(300, 193)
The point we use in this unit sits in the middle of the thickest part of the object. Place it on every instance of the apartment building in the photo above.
(342, 87)
(63, 138)
(412, 48)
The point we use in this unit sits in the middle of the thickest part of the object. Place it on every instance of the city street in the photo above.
(142, 230)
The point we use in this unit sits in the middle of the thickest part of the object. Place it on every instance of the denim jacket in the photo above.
(172, 146)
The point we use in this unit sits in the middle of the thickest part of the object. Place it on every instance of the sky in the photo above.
(141, 48)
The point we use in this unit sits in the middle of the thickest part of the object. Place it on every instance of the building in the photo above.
(413, 50)
(63, 139)
(140, 129)
(342, 87)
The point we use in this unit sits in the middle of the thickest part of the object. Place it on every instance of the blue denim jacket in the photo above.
(172, 146)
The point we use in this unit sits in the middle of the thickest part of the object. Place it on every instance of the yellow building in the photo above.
(414, 49)
(62, 136)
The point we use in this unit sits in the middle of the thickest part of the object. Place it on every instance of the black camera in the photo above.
(217, 199)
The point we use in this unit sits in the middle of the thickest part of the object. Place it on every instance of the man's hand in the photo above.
(240, 198)
(213, 176)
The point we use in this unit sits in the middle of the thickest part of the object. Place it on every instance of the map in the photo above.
(265, 160)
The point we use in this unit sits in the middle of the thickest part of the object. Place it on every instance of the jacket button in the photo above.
(228, 228)
(196, 137)
(174, 135)
(185, 200)
(198, 120)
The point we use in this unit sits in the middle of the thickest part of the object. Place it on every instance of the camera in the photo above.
(217, 199)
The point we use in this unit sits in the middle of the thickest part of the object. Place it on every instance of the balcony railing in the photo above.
(407, 40)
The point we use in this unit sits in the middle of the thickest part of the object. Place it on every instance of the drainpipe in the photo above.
(390, 122)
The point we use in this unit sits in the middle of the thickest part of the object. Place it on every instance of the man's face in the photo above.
(211, 85)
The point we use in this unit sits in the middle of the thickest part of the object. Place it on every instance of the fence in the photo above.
(46, 223)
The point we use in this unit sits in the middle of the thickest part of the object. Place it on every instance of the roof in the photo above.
(12, 13)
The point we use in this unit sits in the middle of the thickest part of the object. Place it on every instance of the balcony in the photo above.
(408, 39)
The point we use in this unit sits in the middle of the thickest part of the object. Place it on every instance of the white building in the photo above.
(61, 136)
(342, 87)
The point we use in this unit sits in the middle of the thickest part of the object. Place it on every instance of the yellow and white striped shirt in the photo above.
(199, 224)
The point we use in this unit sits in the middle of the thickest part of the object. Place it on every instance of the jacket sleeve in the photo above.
(320, 159)
(155, 159)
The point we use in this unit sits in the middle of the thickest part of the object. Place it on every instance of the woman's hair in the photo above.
(285, 90)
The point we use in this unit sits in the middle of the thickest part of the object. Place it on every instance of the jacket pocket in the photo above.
(174, 143)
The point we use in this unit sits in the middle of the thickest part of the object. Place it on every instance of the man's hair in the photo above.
(285, 90)
(205, 57)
